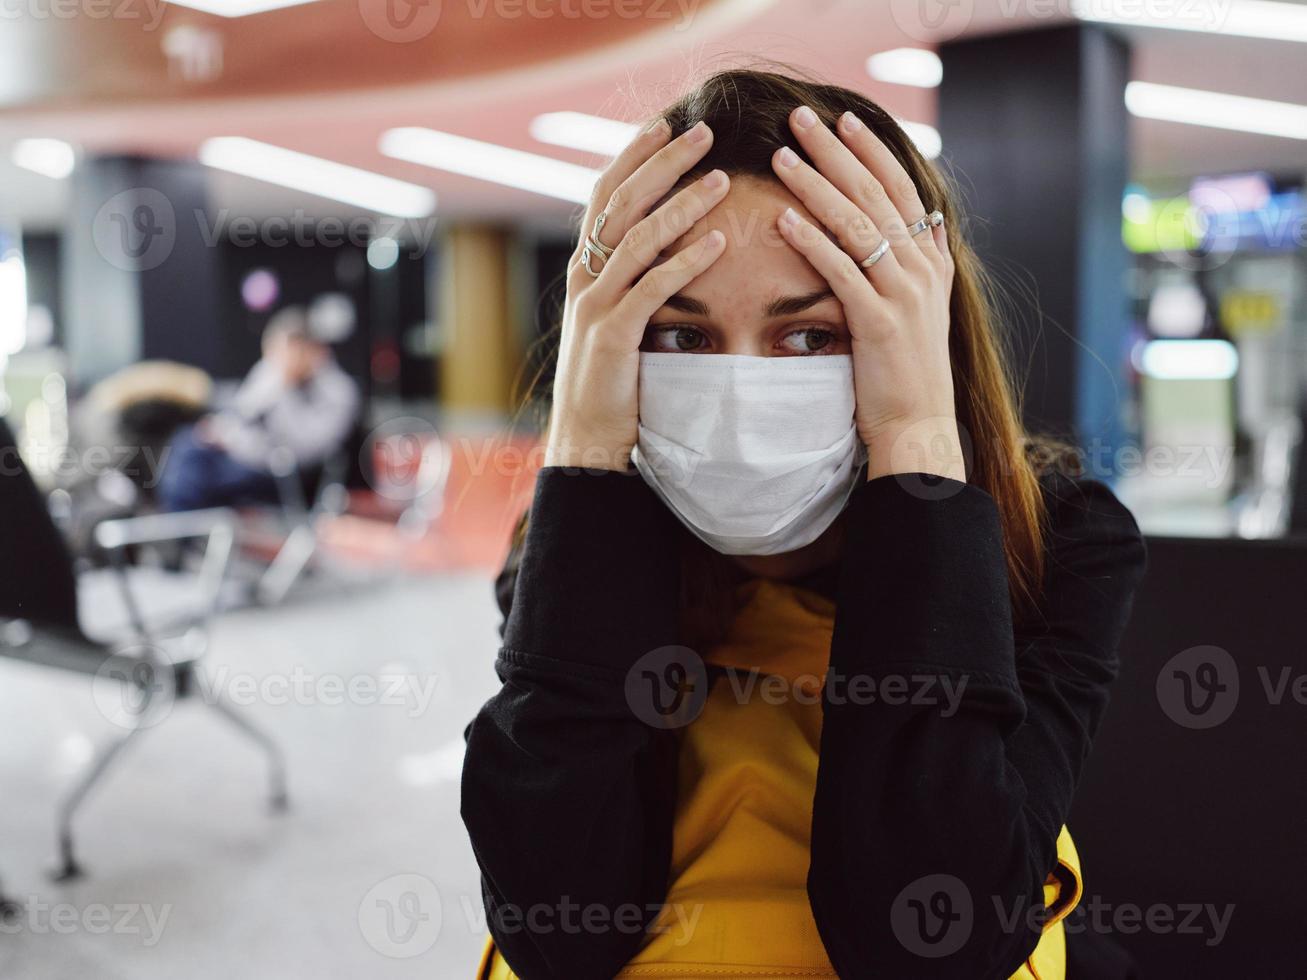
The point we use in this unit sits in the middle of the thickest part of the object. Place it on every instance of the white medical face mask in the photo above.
(755, 455)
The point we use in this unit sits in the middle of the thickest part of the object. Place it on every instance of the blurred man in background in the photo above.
(296, 402)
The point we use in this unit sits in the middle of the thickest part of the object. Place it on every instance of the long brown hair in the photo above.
(748, 111)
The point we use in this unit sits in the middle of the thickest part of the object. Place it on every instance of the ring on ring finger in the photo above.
(876, 255)
(932, 220)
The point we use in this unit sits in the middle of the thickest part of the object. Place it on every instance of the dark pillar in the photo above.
(141, 270)
(1034, 129)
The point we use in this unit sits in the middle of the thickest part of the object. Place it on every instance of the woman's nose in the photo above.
(744, 339)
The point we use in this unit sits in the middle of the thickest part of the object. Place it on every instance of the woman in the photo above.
(807, 693)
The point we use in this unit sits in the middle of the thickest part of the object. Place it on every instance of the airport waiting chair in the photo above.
(305, 499)
(412, 475)
(158, 662)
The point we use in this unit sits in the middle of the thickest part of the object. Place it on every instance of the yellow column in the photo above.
(481, 355)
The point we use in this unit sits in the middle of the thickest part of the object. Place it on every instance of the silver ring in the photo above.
(593, 238)
(876, 255)
(932, 220)
(587, 255)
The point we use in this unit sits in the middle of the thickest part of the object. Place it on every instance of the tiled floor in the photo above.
(368, 875)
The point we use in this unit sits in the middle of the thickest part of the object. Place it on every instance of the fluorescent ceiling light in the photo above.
(489, 161)
(926, 137)
(1189, 360)
(1216, 109)
(1241, 18)
(581, 131)
(238, 8)
(50, 158)
(907, 66)
(324, 178)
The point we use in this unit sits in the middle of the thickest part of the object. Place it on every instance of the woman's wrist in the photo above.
(584, 453)
(925, 445)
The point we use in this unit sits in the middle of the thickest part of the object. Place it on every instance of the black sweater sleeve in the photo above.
(937, 809)
(567, 796)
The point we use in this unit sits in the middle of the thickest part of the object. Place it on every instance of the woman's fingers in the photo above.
(857, 232)
(856, 181)
(623, 165)
(641, 246)
(833, 264)
(876, 157)
(939, 235)
(664, 281)
(632, 198)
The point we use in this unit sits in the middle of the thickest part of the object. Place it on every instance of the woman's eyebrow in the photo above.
(790, 305)
(685, 304)
(784, 306)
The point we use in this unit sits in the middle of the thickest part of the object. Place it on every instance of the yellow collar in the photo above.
(779, 629)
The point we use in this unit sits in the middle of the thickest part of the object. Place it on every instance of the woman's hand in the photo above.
(595, 411)
(898, 309)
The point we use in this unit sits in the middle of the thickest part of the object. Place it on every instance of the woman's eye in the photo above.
(811, 340)
(679, 338)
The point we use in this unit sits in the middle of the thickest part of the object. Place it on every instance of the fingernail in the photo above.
(659, 126)
(850, 123)
(789, 217)
(787, 157)
(714, 180)
(715, 238)
(805, 118)
(698, 133)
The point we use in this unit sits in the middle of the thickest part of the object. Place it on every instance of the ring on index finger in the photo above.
(593, 246)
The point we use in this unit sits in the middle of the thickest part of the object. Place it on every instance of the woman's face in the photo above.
(761, 297)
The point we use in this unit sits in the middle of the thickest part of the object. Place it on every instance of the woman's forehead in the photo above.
(756, 259)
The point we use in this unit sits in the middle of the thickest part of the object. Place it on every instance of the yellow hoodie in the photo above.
(737, 906)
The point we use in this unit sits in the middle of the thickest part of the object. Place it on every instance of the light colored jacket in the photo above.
(312, 420)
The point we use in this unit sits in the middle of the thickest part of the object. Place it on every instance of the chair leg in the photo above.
(288, 564)
(9, 909)
(67, 867)
(279, 797)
